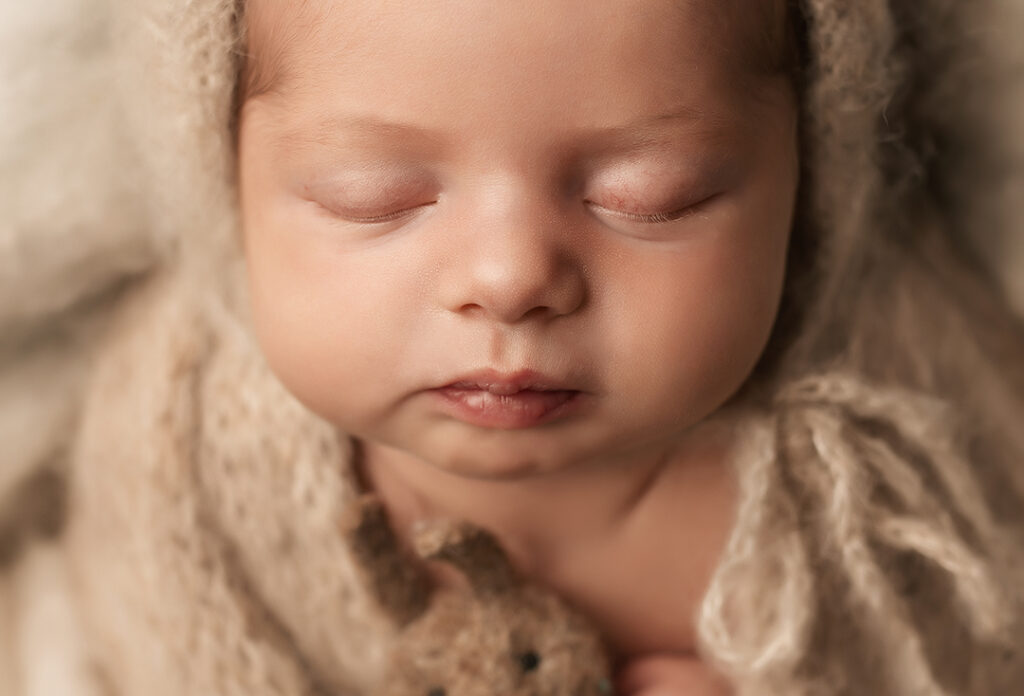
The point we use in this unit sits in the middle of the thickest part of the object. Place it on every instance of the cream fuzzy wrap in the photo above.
(870, 554)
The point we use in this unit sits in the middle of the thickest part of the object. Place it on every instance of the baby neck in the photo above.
(542, 516)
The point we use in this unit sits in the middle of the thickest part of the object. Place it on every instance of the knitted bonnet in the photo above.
(874, 550)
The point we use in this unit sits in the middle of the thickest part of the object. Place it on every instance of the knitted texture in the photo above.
(872, 548)
(214, 524)
(878, 541)
(500, 634)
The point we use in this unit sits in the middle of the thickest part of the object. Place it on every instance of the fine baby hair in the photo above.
(878, 544)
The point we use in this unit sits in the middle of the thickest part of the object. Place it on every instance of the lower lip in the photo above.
(523, 409)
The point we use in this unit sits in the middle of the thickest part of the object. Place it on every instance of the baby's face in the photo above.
(510, 237)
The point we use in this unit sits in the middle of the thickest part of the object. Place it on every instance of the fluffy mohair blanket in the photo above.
(168, 513)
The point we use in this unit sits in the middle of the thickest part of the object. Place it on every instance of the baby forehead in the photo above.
(278, 34)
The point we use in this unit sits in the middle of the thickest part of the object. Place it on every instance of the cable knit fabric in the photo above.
(879, 544)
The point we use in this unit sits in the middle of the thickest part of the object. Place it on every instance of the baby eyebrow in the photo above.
(651, 131)
(679, 113)
(330, 130)
(644, 132)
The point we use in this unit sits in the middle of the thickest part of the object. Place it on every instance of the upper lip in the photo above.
(507, 383)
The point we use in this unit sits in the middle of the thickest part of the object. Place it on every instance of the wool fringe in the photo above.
(859, 495)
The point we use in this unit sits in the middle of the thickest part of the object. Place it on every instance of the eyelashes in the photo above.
(656, 218)
(401, 213)
(382, 218)
(632, 217)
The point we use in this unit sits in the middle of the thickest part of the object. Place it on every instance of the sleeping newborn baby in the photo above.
(524, 254)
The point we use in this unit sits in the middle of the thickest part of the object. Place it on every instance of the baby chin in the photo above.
(509, 454)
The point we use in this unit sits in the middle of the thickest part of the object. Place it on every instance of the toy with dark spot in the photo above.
(502, 637)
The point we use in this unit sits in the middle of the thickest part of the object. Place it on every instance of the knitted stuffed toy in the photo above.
(501, 636)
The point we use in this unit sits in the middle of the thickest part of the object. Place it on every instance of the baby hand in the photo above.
(669, 675)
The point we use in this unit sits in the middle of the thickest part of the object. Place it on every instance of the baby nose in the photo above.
(513, 272)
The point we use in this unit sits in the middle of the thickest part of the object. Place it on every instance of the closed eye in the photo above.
(390, 216)
(655, 218)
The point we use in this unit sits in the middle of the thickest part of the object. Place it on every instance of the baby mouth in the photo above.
(506, 403)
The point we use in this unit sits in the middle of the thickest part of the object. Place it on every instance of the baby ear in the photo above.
(470, 549)
(401, 589)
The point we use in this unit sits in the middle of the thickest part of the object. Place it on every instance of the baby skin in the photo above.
(524, 253)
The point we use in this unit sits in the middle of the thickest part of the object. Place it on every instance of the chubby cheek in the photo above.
(693, 323)
(329, 321)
